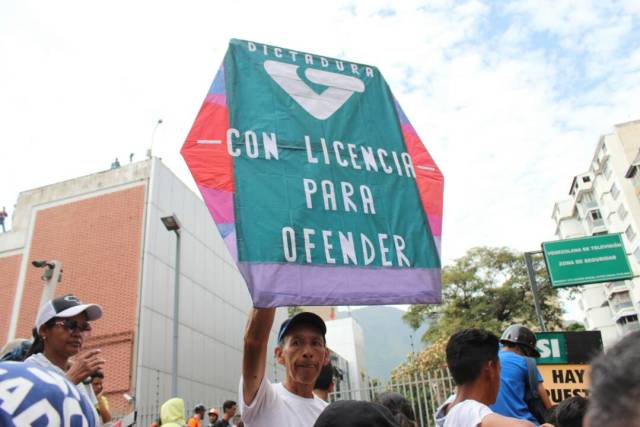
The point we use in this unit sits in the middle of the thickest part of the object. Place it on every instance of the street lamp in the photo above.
(50, 278)
(171, 223)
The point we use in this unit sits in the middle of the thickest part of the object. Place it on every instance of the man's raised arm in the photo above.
(254, 356)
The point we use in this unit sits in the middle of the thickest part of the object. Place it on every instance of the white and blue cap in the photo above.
(66, 306)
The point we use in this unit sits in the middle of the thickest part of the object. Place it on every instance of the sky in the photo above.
(509, 97)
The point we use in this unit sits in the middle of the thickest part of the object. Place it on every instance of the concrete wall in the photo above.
(214, 303)
(94, 227)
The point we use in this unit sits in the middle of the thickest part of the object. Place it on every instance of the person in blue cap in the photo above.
(302, 350)
(35, 396)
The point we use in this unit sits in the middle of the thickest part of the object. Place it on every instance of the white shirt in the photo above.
(39, 359)
(274, 405)
(468, 413)
(441, 413)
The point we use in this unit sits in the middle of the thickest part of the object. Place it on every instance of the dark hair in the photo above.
(570, 412)
(325, 379)
(399, 407)
(615, 385)
(467, 352)
(228, 404)
(38, 342)
(97, 374)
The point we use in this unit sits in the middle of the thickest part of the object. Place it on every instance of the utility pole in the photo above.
(528, 259)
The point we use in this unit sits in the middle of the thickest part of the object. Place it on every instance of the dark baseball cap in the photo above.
(304, 318)
(353, 413)
(66, 306)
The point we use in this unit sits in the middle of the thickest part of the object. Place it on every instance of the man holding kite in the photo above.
(302, 350)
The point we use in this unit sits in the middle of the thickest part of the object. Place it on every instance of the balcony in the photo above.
(627, 328)
(596, 225)
(611, 288)
(629, 323)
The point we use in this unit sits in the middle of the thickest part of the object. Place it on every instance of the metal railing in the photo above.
(425, 392)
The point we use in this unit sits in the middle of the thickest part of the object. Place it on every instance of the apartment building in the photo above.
(606, 199)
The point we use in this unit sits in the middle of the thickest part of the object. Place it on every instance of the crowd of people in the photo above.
(48, 381)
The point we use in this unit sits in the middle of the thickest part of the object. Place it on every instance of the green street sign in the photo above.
(585, 260)
(573, 348)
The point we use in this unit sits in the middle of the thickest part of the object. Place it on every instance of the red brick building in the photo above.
(105, 228)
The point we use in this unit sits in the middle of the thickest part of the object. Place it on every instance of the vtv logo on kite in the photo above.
(319, 105)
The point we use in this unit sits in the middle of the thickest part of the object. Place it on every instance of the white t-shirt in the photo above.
(274, 405)
(468, 413)
(441, 413)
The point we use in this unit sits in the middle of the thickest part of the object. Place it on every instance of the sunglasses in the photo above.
(74, 325)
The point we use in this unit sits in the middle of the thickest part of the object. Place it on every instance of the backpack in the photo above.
(531, 396)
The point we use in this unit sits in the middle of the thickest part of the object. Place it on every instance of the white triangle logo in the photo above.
(323, 105)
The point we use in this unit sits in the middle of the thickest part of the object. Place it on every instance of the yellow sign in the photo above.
(564, 381)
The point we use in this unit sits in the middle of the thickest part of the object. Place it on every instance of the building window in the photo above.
(606, 170)
(636, 254)
(595, 215)
(614, 191)
(587, 197)
(630, 233)
(635, 179)
(622, 211)
(586, 179)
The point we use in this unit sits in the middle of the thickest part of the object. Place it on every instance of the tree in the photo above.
(293, 310)
(487, 288)
(575, 327)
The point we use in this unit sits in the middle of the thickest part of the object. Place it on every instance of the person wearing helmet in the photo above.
(517, 358)
(198, 416)
(213, 416)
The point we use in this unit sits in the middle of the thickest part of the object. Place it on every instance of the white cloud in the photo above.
(509, 118)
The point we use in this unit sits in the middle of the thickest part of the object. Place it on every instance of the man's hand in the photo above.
(254, 356)
(84, 365)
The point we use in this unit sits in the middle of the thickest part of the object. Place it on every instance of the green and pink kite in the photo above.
(318, 184)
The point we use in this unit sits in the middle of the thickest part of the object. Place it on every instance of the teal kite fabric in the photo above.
(320, 187)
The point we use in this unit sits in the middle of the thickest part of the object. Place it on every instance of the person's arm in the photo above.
(496, 420)
(544, 396)
(103, 409)
(254, 356)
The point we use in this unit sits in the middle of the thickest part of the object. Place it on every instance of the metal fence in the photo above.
(425, 392)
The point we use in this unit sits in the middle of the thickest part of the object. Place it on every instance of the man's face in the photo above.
(96, 383)
(231, 411)
(213, 418)
(303, 354)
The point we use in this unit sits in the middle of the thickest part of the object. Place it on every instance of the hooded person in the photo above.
(172, 413)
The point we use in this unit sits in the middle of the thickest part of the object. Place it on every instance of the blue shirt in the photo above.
(513, 380)
(30, 395)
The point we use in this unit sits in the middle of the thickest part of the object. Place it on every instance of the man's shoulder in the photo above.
(468, 412)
